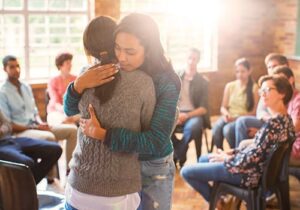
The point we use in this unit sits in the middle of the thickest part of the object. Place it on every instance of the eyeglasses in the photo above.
(265, 90)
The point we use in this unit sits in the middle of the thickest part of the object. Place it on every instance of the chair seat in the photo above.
(50, 200)
(295, 171)
(240, 192)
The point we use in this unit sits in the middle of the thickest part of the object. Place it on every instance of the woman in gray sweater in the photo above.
(100, 178)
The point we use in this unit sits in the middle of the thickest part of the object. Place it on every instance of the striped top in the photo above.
(151, 144)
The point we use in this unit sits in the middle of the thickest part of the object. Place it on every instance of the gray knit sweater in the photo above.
(94, 168)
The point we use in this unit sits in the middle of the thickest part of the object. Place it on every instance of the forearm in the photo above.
(245, 143)
(71, 101)
(197, 112)
(16, 128)
(224, 111)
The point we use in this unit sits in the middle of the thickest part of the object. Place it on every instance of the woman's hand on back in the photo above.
(95, 76)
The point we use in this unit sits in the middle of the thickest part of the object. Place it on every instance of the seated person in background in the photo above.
(56, 89)
(239, 99)
(27, 151)
(18, 105)
(247, 126)
(293, 111)
(193, 107)
(245, 166)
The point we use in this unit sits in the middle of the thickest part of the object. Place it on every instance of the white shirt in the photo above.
(83, 201)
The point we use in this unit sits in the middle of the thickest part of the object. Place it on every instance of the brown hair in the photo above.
(282, 86)
(282, 60)
(249, 88)
(98, 40)
(61, 58)
(284, 70)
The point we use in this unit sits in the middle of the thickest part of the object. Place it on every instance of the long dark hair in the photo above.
(145, 29)
(249, 88)
(98, 41)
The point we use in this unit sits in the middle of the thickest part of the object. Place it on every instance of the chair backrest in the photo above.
(17, 187)
(47, 99)
(276, 166)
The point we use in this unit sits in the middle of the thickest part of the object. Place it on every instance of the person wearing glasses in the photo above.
(244, 165)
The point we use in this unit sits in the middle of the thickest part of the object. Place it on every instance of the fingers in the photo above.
(106, 80)
(82, 125)
(104, 71)
(102, 67)
(107, 73)
(92, 111)
(219, 151)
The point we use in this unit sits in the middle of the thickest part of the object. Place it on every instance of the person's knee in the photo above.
(56, 150)
(203, 158)
(194, 128)
(49, 136)
(241, 122)
(228, 131)
(185, 172)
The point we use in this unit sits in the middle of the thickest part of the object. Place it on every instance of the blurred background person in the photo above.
(56, 89)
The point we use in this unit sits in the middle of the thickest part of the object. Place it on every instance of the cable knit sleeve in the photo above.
(154, 142)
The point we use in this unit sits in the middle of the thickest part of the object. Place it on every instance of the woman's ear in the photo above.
(292, 81)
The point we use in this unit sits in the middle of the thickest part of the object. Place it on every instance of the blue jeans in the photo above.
(223, 130)
(157, 183)
(241, 127)
(192, 129)
(199, 174)
(28, 151)
(69, 207)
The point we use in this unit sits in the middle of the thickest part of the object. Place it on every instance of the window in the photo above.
(37, 30)
(183, 24)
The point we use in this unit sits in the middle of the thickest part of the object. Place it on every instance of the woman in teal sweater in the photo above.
(154, 146)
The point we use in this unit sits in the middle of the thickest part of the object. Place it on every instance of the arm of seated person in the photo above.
(243, 144)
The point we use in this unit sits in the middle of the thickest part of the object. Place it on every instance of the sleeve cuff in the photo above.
(108, 137)
(73, 92)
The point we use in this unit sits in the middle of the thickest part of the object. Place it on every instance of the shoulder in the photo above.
(255, 87)
(230, 86)
(282, 126)
(2, 86)
(296, 96)
(200, 80)
(54, 79)
(232, 83)
(280, 122)
(25, 85)
(167, 80)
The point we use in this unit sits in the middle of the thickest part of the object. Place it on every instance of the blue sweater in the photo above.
(151, 144)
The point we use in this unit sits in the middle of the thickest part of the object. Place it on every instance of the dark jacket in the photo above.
(199, 96)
